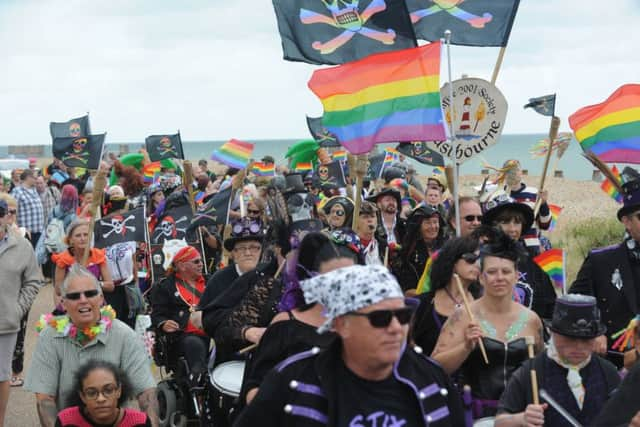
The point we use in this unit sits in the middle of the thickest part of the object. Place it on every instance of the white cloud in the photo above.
(214, 69)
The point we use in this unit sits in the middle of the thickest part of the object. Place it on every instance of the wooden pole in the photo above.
(99, 183)
(471, 316)
(496, 68)
(360, 171)
(553, 133)
(531, 342)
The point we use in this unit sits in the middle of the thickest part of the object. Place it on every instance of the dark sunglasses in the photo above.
(470, 218)
(12, 211)
(470, 257)
(382, 318)
(253, 212)
(74, 296)
(196, 261)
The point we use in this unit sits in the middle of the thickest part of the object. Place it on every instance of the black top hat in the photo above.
(294, 184)
(577, 316)
(392, 173)
(631, 193)
(386, 192)
(500, 202)
(242, 230)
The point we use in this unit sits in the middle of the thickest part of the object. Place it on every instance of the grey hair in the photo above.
(77, 271)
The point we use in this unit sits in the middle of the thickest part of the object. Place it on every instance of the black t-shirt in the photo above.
(364, 403)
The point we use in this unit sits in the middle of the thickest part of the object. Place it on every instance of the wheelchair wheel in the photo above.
(178, 420)
(167, 403)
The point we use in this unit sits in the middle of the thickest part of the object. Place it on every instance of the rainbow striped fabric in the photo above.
(263, 169)
(611, 130)
(235, 154)
(555, 213)
(149, 171)
(391, 156)
(552, 262)
(610, 189)
(385, 97)
(304, 167)
(424, 283)
(339, 155)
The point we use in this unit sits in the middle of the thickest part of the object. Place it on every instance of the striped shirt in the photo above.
(56, 359)
(30, 212)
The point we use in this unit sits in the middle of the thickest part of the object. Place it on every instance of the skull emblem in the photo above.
(168, 229)
(118, 225)
(323, 173)
(78, 145)
(300, 206)
(74, 129)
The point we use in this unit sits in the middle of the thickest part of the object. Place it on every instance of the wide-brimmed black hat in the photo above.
(387, 191)
(346, 202)
(423, 211)
(577, 316)
(243, 230)
(500, 202)
(294, 184)
(630, 198)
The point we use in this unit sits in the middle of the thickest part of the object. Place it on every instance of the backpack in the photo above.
(54, 236)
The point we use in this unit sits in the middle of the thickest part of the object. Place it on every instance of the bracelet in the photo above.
(101, 283)
(243, 333)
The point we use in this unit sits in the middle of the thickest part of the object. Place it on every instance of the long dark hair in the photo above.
(413, 235)
(73, 399)
(442, 268)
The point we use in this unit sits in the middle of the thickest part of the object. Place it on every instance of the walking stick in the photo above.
(553, 134)
(99, 183)
(531, 342)
(473, 319)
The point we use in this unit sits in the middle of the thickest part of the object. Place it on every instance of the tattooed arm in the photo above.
(453, 348)
(148, 403)
(47, 409)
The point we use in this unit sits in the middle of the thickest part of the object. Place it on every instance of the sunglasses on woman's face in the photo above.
(470, 257)
(382, 318)
(74, 296)
(253, 212)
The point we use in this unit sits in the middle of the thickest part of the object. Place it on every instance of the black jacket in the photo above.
(279, 397)
(166, 304)
(624, 404)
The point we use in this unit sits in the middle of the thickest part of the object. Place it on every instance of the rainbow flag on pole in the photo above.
(552, 262)
(385, 97)
(611, 130)
(304, 167)
(150, 170)
(339, 155)
(263, 169)
(555, 213)
(235, 154)
(609, 188)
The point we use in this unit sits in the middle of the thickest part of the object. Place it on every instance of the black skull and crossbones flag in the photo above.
(419, 151)
(329, 176)
(162, 147)
(74, 128)
(173, 224)
(338, 31)
(320, 134)
(79, 152)
(120, 227)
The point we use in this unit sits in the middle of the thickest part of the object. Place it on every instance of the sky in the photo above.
(214, 69)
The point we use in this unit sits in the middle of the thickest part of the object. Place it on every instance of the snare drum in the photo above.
(226, 380)
(484, 422)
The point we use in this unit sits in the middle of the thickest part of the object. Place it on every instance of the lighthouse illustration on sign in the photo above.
(465, 120)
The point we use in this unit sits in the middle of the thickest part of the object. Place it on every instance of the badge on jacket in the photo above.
(616, 279)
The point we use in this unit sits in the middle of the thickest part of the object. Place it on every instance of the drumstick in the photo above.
(473, 319)
(531, 342)
(248, 348)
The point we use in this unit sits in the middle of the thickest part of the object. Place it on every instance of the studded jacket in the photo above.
(301, 391)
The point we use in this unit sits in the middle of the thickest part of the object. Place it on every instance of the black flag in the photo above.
(545, 105)
(419, 151)
(172, 224)
(82, 152)
(71, 129)
(320, 134)
(329, 176)
(335, 32)
(375, 166)
(162, 147)
(213, 211)
(118, 228)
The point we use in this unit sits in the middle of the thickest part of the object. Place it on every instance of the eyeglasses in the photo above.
(382, 318)
(107, 391)
(470, 218)
(74, 296)
(469, 257)
(196, 261)
(251, 249)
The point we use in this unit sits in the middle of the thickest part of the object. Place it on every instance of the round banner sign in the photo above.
(479, 112)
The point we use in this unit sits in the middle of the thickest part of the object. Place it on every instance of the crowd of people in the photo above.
(377, 308)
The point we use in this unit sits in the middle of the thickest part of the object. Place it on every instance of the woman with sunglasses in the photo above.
(500, 322)
(458, 256)
(100, 390)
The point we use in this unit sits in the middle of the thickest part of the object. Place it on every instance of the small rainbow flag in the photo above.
(262, 169)
(339, 155)
(304, 167)
(438, 170)
(424, 283)
(552, 262)
(611, 129)
(199, 197)
(384, 97)
(609, 188)
(391, 156)
(555, 213)
(235, 154)
(149, 171)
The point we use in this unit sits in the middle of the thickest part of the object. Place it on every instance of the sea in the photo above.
(515, 146)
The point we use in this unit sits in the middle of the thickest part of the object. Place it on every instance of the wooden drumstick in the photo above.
(473, 319)
(247, 348)
(531, 342)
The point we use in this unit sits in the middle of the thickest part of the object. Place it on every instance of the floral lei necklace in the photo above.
(63, 325)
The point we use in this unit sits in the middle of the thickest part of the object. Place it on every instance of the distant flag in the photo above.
(386, 97)
(320, 134)
(611, 129)
(304, 167)
(472, 23)
(560, 145)
(555, 213)
(339, 155)
(419, 151)
(438, 170)
(424, 283)
(552, 262)
(608, 187)
(335, 32)
(264, 169)
(235, 154)
(72, 129)
(545, 105)
(199, 197)
(391, 156)
(213, 211)
(149, 172)
(162, 147)
(375, 166)
(329, 176)
(82, 152)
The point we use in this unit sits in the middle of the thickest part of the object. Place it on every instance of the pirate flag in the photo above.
(71, 129)
(81, 152)
(329, 176)
(118, 228)
(335, 32)
(320, 134)
(162, 147)
(172, 224)
(419, 151)
(376, 162)
(213, 211)
(545, 105)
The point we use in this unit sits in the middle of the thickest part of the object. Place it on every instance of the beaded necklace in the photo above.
(63, 325)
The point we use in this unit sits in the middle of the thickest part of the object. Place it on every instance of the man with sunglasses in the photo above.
(368, 376)
(20, 281)
(612, 274)
(470, 216)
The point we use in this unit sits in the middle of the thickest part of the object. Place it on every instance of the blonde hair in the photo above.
(71, 228)
(11, 201)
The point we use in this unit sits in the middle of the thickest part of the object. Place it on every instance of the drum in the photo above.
(226, 381)
(484, 422)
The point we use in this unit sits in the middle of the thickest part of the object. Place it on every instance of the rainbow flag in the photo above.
(609, 188)
(149, 171)
(438, 170)
(552, 262)
(391, 156)
(339, 155)
(262, 169)
(555, 213)
(611, 130)
(199, 197)
(235, 154)
(385, 97)
(304, 167)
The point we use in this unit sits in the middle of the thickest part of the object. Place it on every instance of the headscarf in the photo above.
(188, 253)
(69, 198)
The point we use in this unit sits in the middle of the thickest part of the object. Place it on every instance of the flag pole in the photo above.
(564, 272)
(553, 134)
(360, 171)
(456, 166)
(496, 68)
